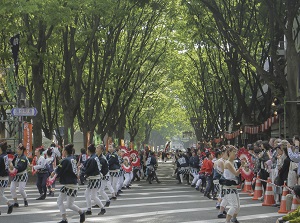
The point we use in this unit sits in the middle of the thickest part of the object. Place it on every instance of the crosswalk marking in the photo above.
(155, 213)
(248, 217)
(52, 203)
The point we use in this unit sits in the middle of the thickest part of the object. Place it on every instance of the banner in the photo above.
(27, 139)
(15, 47)
(254, 130)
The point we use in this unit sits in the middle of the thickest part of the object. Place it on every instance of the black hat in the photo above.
(92, 148)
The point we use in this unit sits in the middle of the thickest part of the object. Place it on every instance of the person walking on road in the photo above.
(105, 175)
(42, 173)
(229, 191)
(4, 167)
(18, 170)
(151, 168)
(194, 167)
(67, 173)
(114, 169)
(92, 173)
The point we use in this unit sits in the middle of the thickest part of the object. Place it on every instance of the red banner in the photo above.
(27, 139)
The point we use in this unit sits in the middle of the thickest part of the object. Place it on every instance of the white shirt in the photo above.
(40, 164)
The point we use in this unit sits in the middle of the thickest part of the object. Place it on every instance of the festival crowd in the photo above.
(217, 172)
(97, 167)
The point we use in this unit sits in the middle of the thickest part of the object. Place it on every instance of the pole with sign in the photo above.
(23, 112)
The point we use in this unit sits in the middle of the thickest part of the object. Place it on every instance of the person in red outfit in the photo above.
(208, 166)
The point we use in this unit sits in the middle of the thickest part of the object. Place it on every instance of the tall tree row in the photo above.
(232, 56)
(85, 62)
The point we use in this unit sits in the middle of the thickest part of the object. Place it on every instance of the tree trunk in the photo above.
(148, 130)
(120, 131)
(37, 71)
(292, 60)
(68, 124)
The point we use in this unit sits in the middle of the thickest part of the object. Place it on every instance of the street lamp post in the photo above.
(284, 115)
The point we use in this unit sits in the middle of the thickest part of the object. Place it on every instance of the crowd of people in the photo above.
(97, 167)
(218, 172)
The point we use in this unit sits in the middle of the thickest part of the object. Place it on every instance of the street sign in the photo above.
(23, 112)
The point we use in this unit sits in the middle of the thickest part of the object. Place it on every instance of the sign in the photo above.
(27, 139)
(23, 112)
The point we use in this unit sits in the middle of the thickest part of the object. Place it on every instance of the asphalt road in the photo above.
(156, 203)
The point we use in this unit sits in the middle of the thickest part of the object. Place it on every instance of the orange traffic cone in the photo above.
(247, 186)
(257, 190)
(285, 192)
(269, 195)
(295, 204)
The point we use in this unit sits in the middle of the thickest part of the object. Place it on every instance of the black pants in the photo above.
(209, 184)
(152, 176)
(264, 176)
(135, 171)
(41, 182)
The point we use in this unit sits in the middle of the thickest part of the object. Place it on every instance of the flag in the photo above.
(27, 139)
(15, 47)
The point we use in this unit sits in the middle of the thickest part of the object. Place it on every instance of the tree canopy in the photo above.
(118, 67)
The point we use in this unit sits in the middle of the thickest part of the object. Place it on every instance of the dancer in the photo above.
(183, 167)
(151, 168)
(222, 213)
(4, 167)
(67, 173)
(121, 153)
(18, 170)
(218, 171)
(127, 168)
(229, 190)
(92, 174)
(81, 165)
(136, 165)
(114, 169)
(194, 165)
(105, 176)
